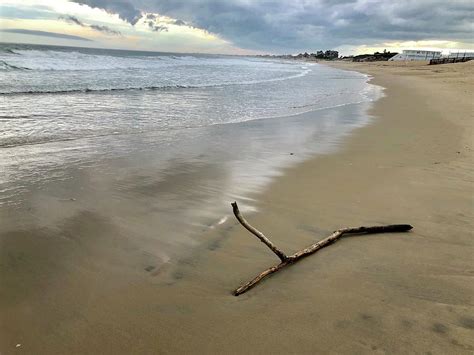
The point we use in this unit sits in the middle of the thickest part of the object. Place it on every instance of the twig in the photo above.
(289, 260)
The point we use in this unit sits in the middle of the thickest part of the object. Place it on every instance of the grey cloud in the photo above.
(282, 25)
(105, 29)
(179, 23)
(124, 8)
(72, 19)
(99, 28)
(45, 34)
(156, 27)
(160, 28)
(155, 24)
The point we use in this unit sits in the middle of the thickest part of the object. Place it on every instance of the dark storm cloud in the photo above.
(45, 34)
(124, 8)
(99, 28)
(283, 25)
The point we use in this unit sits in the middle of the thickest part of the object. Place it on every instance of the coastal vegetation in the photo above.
(334, 55)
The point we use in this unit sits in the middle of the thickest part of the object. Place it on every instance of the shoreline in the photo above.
(400, 293)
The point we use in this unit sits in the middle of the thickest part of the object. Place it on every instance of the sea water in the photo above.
(164, 137)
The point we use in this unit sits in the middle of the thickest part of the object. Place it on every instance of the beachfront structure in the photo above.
(415, 54)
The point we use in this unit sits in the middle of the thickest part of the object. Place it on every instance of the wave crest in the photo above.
(68, 91)
(6, 66)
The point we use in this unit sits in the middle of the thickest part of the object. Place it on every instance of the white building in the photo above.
(414, 54)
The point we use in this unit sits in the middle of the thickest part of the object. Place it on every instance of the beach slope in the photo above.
(401, 293)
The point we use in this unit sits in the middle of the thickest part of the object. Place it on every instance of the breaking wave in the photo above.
(33, 92)
(63, 72)
(6, 66)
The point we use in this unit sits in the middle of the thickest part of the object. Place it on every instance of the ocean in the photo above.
(159, 144)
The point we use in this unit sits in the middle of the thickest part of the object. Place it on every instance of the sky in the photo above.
(242, 26)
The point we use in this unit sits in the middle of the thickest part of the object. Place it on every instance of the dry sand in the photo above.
(398, 293)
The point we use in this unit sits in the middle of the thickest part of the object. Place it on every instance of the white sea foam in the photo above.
(77, 93)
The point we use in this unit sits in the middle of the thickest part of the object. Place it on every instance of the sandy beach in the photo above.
(394, 293)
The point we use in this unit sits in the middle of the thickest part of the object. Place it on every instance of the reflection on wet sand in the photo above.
(162, 196)
(97, 226)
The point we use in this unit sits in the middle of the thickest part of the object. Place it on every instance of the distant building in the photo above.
(414, 54)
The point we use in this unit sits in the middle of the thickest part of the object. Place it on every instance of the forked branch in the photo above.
(288, 260)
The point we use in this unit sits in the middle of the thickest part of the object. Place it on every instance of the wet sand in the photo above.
(397, 293)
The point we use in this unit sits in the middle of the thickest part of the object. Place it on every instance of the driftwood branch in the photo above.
(257, 233)
(289, 260)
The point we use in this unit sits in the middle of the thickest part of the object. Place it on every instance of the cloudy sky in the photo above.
(241, 26)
